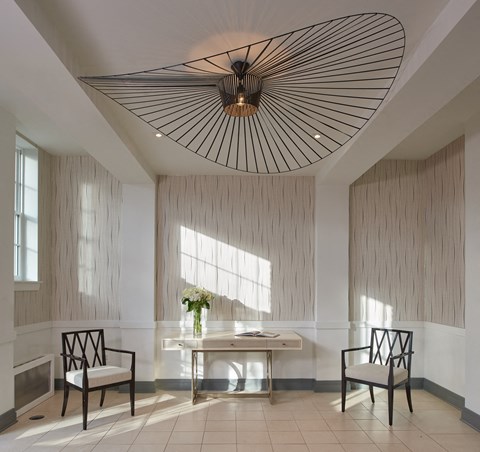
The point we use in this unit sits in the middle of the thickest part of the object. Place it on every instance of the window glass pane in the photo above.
(25, 238)
(30, 185)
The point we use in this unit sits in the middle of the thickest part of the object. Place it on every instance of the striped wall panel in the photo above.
(386, 242)
(35, 306)
(407, 240)
(248, 239)
(86, 217)
(445, 237)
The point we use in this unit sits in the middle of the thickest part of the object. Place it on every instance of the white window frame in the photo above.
(25, 224)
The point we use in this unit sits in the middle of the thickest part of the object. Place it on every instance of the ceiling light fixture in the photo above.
(278, 105)
(240, 92)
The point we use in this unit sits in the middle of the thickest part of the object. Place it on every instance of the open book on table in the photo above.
(258, 334)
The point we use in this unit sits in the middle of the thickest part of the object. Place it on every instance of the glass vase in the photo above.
(197, 323)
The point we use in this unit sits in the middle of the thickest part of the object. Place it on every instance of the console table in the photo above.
(228, 342)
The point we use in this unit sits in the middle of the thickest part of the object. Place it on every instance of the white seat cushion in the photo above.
(99, 376)
(376, 373)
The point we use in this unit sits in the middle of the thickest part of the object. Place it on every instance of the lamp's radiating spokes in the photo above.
(278, 105)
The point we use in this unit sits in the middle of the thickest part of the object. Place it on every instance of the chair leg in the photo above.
(132, 398)
(390, 406)
(102, 397)
(85, 408)
(372, 396)
(409, 397)
(66, 391)
(344, 394)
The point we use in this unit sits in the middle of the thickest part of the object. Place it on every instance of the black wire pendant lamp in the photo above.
(274, 106)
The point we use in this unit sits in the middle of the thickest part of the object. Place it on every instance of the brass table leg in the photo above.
(269, 375)
(194, 375)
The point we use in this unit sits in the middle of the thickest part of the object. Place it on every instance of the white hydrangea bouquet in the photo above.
(196, 299)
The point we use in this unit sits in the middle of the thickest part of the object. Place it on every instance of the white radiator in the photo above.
(33, 383)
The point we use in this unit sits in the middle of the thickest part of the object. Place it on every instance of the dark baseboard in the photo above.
(417, 383)
(293, 384)
(173, 384)
(444, 394)
(471, 418)
(140, 386)
(242, 384)
(7, 419)
(327, 386)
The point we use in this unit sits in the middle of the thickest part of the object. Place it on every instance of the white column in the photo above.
(472, 264)
(331, 272)
(137, 281)
(7, 334)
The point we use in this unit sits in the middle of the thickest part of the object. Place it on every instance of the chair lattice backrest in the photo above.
(386, 343)
(89, 344)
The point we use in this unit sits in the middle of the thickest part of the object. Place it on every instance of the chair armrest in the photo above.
(392, 364)
(398, 357)
(117, 350)
(345, 351)
(76, 358)
(83, 367)
(356, 349)
(401, 355)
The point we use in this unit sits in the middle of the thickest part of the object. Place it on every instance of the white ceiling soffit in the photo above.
(445, 65)
(94, 37)
(50, 107)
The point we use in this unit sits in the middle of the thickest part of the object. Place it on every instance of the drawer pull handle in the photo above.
(284, 344)
(233, 345)
(180, 345)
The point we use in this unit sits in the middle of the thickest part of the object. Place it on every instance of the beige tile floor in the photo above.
(295, 422)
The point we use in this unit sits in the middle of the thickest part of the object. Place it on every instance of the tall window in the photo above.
(26, 212)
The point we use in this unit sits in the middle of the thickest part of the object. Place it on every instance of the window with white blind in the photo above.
(25, 258)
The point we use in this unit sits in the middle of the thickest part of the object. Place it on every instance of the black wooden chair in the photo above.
(85, 368)
(388, 366)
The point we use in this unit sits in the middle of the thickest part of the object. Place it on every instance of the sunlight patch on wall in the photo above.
(375, 311)
(225, 270)
(85, 240)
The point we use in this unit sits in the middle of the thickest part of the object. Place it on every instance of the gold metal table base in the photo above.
(197, 393)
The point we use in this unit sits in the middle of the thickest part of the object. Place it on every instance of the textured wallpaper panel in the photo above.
(86, 220)
(407, 240)
(248, 239)
(386, 242)
(35, 306)
(445, 237)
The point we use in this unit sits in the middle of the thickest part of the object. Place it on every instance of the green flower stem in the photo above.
(197, 322)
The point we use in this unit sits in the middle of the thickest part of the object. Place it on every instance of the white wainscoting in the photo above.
(444, 356)
(439, 349)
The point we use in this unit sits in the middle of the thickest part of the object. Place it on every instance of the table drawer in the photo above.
(235, 344)
(276, 344)
(175, 344)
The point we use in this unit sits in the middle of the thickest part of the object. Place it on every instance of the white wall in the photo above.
(137, 279)
(331, 277)
(472, 263)
(444, 356)
(7, 334)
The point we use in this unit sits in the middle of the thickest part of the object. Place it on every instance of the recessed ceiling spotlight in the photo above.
(158, 135)
(317, 136)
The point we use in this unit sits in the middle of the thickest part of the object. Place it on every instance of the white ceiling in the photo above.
(45, 45)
